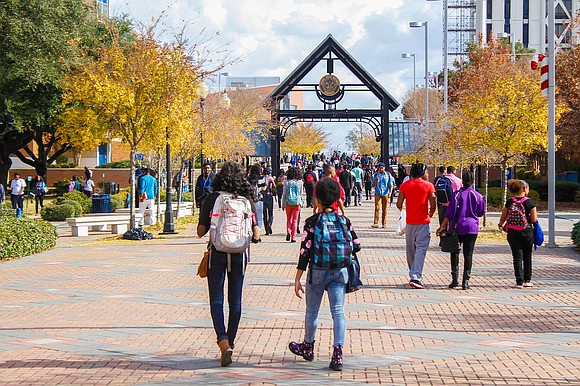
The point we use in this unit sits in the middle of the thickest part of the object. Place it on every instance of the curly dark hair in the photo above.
(231, 179)
(293, 173)
(327, 191)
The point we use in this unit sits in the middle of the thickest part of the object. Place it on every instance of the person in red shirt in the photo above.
(418, 194)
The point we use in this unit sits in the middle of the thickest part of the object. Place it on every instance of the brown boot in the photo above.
(226, 350)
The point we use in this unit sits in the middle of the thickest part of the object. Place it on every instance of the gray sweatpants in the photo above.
(417, 237)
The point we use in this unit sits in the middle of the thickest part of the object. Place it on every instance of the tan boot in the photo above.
(226, 351)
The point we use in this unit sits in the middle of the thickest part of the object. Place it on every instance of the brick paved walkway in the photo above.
(95, 311)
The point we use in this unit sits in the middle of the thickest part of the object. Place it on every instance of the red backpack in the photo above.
(309, 178)
(516, 215)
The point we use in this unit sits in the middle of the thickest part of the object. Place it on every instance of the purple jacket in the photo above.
(465, 206)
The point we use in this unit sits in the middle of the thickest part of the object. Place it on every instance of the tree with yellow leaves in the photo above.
(305, 139)
(361, 139)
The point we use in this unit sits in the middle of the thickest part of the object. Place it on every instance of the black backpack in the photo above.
(443, 190)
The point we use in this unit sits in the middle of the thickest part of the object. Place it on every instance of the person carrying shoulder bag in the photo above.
(465, 208)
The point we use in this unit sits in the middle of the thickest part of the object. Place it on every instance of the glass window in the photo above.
(526, 9)
(489, 9)
(560, 13)
(507, 10)
(526, 35)
(488, 32)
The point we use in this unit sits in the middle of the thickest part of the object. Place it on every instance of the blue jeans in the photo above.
(268, 212)
(334, 282)
(259, 212)
(216, 275)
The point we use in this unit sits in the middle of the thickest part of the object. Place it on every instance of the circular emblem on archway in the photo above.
(329, 85)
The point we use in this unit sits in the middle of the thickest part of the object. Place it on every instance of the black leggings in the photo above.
(39, 198)
(468, 244)
(521, 243)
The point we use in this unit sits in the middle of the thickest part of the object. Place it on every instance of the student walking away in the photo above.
(268, 199)
(148, 190)
(384, 184)
(346, 181)
(229, 206)
(418, 195)
(309, 180)
(327, 246)
(17, 188)
(280, 187)
(368, 180)
(465, 208)
(2, 195)
(292, 202)
(88, 173)
(443, 192)
(258, 183)
(203, 184)
(518, 215)
(40, 190)
(358, 175)
(88, 187)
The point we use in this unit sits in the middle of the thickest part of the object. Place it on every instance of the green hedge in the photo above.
(57, 212)
(23, 236)
(185, 196)
(116, 165)
(565, 190)
(85, 202)
(494, 196)
(117, 201)
(76, 205)
(576, 234)
(6, 211)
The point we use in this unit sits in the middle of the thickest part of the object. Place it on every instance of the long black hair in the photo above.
(293, 173)
(231, 179)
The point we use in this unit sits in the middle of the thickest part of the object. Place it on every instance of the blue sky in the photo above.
(273, 36)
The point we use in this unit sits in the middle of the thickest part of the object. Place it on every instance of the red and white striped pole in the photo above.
(544, 72)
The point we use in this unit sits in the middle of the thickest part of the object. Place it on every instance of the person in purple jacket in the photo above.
(465, 207)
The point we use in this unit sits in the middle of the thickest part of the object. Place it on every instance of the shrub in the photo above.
(8, 212)
(117, 201)
(565, 190)
(86, 202)
(576, 234)
(61, 187)
(22, 236)
(116, 165)
(494, 196)
(185, 196)
(57, 212)
(76, 205)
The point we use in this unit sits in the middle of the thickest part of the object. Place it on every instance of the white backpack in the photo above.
(231, 223)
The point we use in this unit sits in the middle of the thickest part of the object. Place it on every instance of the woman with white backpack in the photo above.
(228, 213)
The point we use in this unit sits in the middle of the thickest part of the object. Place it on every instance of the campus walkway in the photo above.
(98, 311)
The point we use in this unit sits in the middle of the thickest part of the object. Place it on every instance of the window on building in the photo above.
(526, 35)
(526, 9)
(488, 32)
(560, 12)
(489, 15)
(507, 10)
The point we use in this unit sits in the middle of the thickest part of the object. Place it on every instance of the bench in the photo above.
(185, 209)
(119, 223)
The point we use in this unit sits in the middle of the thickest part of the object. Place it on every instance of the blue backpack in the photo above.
(443, 190)
(333, 245)
(293, 197)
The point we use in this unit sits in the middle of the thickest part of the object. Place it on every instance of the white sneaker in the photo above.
(517, 286)
(528, 284)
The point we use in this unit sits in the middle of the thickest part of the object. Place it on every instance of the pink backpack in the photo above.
(516, 216)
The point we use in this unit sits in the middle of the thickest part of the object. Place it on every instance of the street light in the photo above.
(407, 56)
(201, 91)
(220, 79)
(168, 225)
(445, 53)
(418, 24)
(506, 35)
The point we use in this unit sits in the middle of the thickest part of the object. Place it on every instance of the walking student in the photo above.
(292, 202)
(17, 187)
(465, 208)
(358, 174)
(327, 271)
(148, 190)
(40, 190)
(518, 215)
(384, 184)
(268, 198)
(229, 180)
(418, 195)
(280, 187)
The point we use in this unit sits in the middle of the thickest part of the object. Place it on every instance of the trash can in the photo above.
(101, 203)
(109, 188)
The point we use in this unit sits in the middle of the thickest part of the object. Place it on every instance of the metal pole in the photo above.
(426, 76)
(551, 125)
(168, 226)
(201, 157)
(445, 53)
(414, 73)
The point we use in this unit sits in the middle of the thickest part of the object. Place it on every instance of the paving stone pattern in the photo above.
(98, 311)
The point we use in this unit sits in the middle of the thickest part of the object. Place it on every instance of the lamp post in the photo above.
(201, 91)
(505, 35)
(445, 54)
(220, 79)
(407, 56)
(168, 225)
(418, 24)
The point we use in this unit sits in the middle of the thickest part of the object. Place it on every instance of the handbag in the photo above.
(203, 265)
(538, 235)
(401, 224)
(354, 283)
(449, 241)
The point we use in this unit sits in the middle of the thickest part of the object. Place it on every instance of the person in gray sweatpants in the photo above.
(418, 195)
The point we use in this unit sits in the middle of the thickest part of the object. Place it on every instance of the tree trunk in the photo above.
(158, 198)
(179, 187)
(486, 193)
(504, 179)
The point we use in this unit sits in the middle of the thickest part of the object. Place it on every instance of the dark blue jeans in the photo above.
(216, 275)
(268, 211)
